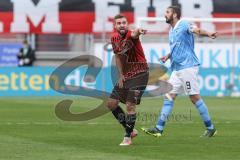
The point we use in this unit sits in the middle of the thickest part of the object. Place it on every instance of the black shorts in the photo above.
(133, 89)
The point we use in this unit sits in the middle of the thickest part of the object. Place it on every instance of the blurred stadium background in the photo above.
(59, 30)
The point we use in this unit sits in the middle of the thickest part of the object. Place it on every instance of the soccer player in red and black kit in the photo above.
(133, 75)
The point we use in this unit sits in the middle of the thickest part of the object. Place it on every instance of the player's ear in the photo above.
(175, 15)
(114, 24)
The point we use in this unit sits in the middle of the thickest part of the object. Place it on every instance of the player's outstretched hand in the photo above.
(213, 35)
(164, 58)
(142, 31)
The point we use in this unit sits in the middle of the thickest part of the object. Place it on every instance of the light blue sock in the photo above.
(166, 110)
(203, 110)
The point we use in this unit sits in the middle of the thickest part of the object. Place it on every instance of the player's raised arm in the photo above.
(165, 58)
(198, 31)
(137, 32)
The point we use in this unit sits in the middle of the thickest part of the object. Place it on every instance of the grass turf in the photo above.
(29, 130)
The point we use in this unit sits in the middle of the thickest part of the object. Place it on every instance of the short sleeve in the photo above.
(191, 27)
(188, 26)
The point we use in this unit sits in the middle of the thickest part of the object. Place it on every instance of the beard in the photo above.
(122, 32)
(169, 20)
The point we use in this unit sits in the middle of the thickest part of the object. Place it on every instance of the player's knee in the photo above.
(130, 107)
(170, 97)
(112, 104)
(195, 98)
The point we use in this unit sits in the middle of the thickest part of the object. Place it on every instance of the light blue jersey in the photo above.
(181, 41)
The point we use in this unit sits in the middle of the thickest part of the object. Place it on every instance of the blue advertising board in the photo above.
(34, 81)
(8, 54)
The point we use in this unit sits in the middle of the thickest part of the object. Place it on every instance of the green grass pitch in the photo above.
(30, 130)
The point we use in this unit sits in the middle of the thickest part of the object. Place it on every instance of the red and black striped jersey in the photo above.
(131, 54)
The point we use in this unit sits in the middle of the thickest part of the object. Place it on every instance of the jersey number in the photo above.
(188, 85)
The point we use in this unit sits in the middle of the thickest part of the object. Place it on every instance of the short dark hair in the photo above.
(118, 16)
(177, 10)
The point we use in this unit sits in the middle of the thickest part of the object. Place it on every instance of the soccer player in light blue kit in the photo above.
(184, 65)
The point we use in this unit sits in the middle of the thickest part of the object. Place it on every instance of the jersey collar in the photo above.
(177, 24)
